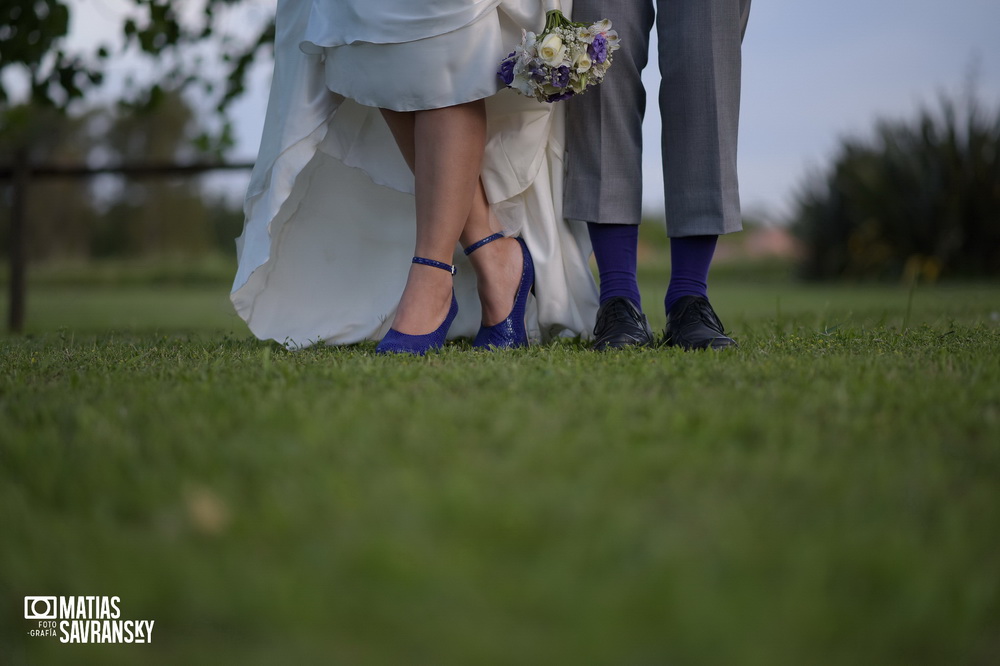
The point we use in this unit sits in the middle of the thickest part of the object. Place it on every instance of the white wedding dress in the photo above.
(330, 225)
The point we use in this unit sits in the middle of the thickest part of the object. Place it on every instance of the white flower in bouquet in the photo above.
(604, 25)
(552, 50)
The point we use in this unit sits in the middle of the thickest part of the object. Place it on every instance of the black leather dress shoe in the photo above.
(693, 324)
(620, 323)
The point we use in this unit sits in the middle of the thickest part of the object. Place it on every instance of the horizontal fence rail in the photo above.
(22, 172)
(7, 172)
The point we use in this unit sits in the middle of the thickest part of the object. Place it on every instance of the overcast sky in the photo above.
(815, 71)
(812, 72)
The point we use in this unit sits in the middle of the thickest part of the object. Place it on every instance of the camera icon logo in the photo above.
(40, 608)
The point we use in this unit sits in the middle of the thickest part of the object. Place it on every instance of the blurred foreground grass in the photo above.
(829, 493)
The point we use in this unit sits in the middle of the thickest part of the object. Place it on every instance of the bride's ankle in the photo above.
(498, 266)
(492, 260)
(425, 301)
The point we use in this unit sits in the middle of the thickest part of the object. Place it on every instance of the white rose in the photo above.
(552, 50)
(582, 63)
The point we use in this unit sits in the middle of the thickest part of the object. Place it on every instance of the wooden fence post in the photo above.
(21, 173)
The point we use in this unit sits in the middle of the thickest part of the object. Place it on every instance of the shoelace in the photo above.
(707, 315)
(619, 311)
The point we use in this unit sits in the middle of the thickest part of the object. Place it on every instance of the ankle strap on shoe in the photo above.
(436, 264)
(478, 244)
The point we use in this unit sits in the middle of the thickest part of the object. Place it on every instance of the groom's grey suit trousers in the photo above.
(700, 63)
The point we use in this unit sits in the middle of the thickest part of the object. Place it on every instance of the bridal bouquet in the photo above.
(561, 61)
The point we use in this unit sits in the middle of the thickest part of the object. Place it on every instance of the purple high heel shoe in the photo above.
(510, 332)
(395, 342)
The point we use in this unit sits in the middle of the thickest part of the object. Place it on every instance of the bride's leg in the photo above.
(498, 265)
(447, 151)
(401, 125)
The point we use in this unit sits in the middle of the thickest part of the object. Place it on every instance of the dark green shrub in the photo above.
(919, 198)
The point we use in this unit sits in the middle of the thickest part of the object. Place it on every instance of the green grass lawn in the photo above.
(828, 493)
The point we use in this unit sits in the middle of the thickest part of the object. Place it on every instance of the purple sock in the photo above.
(615, 248)
(690, 259)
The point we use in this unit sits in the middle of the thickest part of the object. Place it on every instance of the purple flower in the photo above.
(598, 49)
(560, 97)
(560, 77)
(506, 72)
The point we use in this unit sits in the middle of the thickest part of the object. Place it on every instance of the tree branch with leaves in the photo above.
(35, 58)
